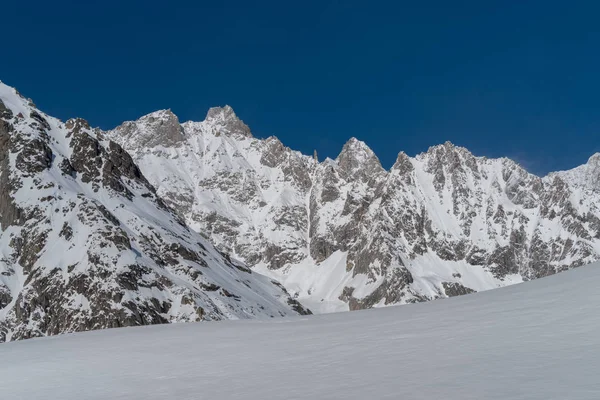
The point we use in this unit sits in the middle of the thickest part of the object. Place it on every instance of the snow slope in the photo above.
(537, 340)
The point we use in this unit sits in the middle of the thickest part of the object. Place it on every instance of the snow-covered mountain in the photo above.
(534, 341)
(94, 225)
(86, 243)
(348, 234)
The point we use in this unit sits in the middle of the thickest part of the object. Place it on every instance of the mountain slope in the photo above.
(346, 233)
(85, 242)
(537, 341)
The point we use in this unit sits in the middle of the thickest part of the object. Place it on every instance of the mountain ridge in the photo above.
(86, 243)
(441, 223)
(595, 158)
(339, 234)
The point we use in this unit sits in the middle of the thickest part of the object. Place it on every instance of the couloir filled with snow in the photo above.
(537, 340)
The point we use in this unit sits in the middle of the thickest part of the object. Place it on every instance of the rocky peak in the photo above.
(159, 117)
(274, 153)
(160, 128)
(403, 163)
(593, 170)
(12, 102)
(224, 120)
(357, 159)
(586, 176)
(75, 125)
(222, 113)
(447, 152)
(594, 160)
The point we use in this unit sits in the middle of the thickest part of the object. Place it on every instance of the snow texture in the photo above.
(536, 341)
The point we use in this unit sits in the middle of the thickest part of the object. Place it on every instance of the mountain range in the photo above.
(348, 234)
(159, 221)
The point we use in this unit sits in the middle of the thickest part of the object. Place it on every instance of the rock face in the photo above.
(347, 234)
(86, 243)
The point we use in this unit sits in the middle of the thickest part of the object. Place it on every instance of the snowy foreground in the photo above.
(537, 340)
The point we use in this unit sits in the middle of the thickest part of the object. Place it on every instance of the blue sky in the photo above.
(503, 78)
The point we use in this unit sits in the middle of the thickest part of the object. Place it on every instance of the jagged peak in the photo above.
(222, 113)
(355, 146)
(15, 101)
(225, 120)
(357, 155)
(594, 159)
(7, 92)
(272, 139)
(328, 161)
(447, 152)
(77, 124)
(158, 116)
(402, 161)
(584, 176)
(160, 127)
(402, 156)
(447, 147)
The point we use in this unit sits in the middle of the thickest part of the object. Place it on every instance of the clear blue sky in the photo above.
(503, 78)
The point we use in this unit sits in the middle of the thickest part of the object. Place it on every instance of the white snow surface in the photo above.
(537, 340)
